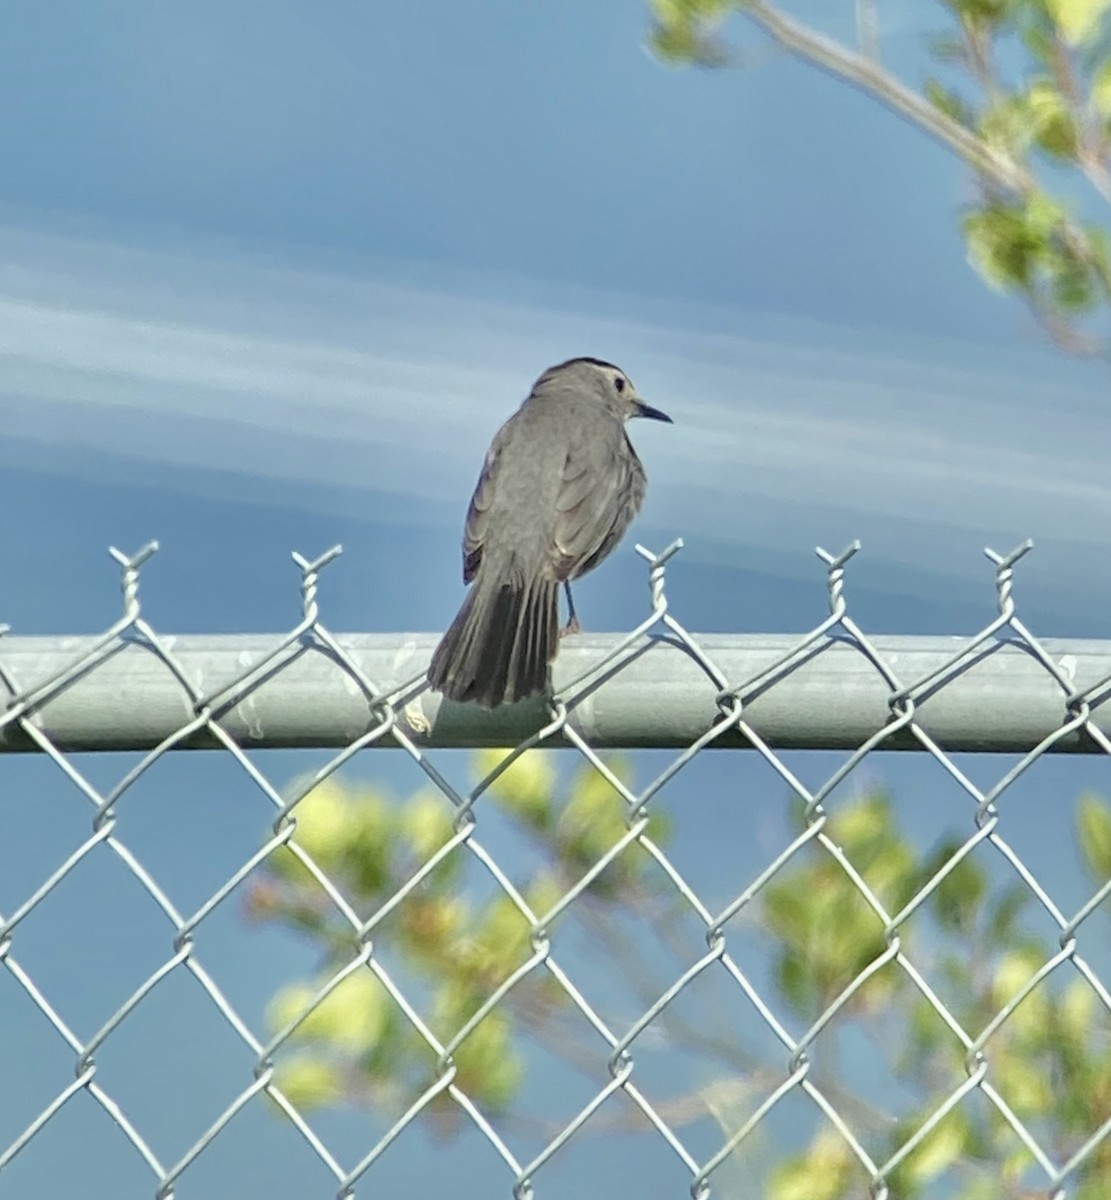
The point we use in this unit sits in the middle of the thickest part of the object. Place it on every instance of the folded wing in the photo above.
(595, 506)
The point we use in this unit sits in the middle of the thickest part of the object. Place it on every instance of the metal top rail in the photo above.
(969, 694)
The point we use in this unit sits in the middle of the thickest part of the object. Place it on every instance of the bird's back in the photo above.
(559, 488)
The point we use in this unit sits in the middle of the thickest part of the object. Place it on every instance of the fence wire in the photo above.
(393, 723)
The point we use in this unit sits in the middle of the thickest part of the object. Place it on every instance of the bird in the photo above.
(558, 488)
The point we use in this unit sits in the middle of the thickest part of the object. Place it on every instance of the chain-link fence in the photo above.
(981, 988)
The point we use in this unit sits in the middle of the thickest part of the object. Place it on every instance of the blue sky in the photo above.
(272, 274)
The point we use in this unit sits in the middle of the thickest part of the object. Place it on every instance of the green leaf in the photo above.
(1039, 41)
(1001, 246)
(946, 1144)
(949, 102)
(1099, 255)
(960, 895)
(323, 822)
(1072, 282)
(1043, 215)
(979, 12)
(525, 787)
(1078, 20)
(864, 828)
(1028, 1020)
(487, 1062)
(1051, 122)
(309, 1081)
(1006, 125)
(425, 823)
(946, 48)
(823, 1172)
(1101, 90)
(794, 978)
(1028, 1092)
(1093, 831)
(1004, 915)
(684, 31)
(1077, 1013)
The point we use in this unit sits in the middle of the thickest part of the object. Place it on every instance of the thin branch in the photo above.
(870, 77)
(867, 29)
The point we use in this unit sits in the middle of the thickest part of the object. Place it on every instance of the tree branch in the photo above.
(870, 77)
(997, 170)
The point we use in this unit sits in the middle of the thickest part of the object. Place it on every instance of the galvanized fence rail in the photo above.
(1003, 690)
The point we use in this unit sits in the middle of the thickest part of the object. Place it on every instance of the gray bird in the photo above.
(559, 486)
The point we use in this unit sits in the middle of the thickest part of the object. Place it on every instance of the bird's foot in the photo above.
(572, 626)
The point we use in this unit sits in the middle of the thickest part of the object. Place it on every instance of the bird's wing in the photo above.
(474, 528)
(597, 501)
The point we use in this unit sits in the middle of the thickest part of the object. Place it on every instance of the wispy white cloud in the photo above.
(213, 361)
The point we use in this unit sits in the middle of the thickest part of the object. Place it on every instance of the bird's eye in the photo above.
(619, 383)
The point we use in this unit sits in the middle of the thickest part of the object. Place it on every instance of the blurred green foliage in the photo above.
(1021, 91)
(354, 1043)
(976, 947)
(977, 942)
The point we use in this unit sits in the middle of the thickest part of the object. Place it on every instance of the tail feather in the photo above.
(500, 644)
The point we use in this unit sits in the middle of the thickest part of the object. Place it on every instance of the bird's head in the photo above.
(604, 382)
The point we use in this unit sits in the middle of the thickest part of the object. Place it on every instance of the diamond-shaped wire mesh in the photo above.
(173, 706)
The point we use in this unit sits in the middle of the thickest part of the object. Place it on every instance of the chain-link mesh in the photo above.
(609, 1045)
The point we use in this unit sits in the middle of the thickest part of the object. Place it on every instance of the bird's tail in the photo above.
(499, 646)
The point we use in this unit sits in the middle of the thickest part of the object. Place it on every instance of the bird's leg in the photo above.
(572, 625)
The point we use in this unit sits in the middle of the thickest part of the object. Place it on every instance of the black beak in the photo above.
(653, 414)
